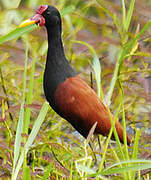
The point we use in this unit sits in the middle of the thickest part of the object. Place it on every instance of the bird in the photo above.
(68, 95)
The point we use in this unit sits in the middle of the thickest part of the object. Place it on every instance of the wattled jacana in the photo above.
(65, 91)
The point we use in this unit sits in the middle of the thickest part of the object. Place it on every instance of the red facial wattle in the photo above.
(39, 19)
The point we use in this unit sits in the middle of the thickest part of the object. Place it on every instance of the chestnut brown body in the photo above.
(82, 108)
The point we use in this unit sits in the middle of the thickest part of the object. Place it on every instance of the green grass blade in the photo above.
(48, 170)
(129, 15)
(95, 65)
(67, 10)
(29, 97)
(114, 78)
(123, 119)
(116, 156)
(105, 9)
(16, 33)
(21, 117)
(124, 125)
(135, 165)
(135, 148)
(37, 124)
(97, 70)
(136, 143)
(32, 136)
(121, 153)
(127, 169)
(130, 44)
(26, 173)
(141, 161)
(123, 12)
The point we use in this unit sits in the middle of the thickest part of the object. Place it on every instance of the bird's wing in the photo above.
(82, 108)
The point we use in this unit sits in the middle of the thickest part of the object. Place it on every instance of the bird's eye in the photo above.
(48, 13)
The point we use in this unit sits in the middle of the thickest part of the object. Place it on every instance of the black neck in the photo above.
(57, 66)
(55, 46)
(56, 56)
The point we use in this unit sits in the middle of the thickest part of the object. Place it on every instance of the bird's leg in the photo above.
(95, 159)
(5, 92)
(99, 142)
(98, 137)
(56, 157)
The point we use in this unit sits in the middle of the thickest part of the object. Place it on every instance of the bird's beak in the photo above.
(36, 19)
(27, 22)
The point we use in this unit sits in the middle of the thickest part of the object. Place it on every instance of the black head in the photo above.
(51, 16)
(48, 16)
